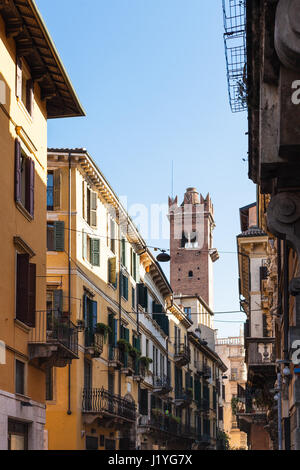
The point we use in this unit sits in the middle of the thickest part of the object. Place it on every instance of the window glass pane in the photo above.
(50, 189)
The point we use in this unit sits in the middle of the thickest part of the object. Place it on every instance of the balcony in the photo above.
(161, 425)
(127, 362)
(93, 343)
(114, 360)
(261, 352)
(182, 354)
(203, 405)
(199, 368)
(98, 403)
(207, 372)
(161, 384)
(53, 342)
(260, 358)
(183, 398)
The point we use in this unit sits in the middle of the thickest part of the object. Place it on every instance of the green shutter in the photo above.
(94, 209)
(112, 338)
(58, 300)
(95, 252)
(59, 236)
(123, 255)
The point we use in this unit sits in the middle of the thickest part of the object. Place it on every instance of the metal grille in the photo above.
(234, 12)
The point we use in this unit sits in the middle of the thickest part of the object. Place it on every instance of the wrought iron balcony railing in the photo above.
(162, 383)
(54, 339)
(114, 359)
(183, 397)
(100, 401)
(94, 342)
(182, 354)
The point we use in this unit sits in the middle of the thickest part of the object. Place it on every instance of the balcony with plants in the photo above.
(95, 338)
(53, 339)
(182, 354)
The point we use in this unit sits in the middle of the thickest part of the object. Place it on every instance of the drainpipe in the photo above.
(120, 300)
(69, 412)
(279, 384)
(286, 303)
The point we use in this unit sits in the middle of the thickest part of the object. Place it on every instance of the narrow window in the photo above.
(20, 378)
(50, 191)
(49, 384)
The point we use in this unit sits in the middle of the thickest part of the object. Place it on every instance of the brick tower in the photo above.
(191, 246)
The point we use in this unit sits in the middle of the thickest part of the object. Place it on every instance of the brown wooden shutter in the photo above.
(57, 190)
(32, 296)
(22, 286)
(19, 78)
(17, 170)
(29, 191)
(30, 96)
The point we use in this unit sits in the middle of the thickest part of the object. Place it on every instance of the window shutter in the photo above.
(123, 256)
(95, 252)
(112, 267)
(22, 285)
(142, 295)
(32, 295)
(94, 209)
(57, 190)
(115, 338)
(126, 287)
(29, 195)
(17, 170)
(84, 200)
(19, 78)
(30, 96)
(84, 245)
(134, 266)
(59, 236)
(85, 302)
(58, 300)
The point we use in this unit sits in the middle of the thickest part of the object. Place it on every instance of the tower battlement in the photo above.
(191, 242)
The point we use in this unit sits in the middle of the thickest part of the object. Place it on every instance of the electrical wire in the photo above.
(92, 234)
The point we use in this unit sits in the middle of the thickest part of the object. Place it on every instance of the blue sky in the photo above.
(151, 76)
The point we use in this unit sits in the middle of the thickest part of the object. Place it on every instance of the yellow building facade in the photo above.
(30, 93)
(142, 379)
(232, 352)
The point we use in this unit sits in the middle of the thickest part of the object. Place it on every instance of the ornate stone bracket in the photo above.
(283, 218)
(287, 31)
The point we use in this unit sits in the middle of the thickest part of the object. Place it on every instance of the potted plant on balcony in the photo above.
(124, 345)
(145, 362)
(103, 329)
(134, 352)
(175, 419)
(157, 414)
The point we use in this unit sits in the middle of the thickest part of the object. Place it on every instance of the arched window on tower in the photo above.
(189, 240)
(191, 274)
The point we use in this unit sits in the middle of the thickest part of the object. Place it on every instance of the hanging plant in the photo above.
(124, 345)
(157, 412)
(176, 419)
(103, 329)
(134, 352)
(146, 361)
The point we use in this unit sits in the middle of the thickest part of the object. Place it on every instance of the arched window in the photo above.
(191, 274)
